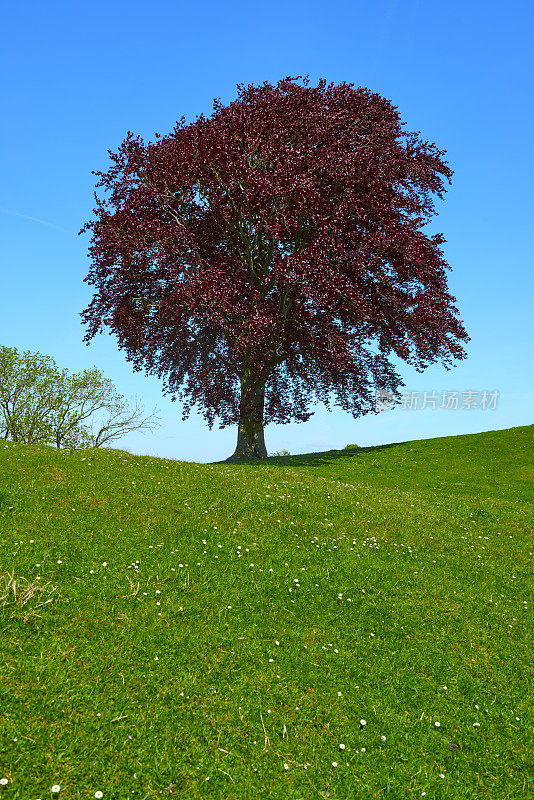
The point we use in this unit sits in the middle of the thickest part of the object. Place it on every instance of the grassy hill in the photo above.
(350, 624)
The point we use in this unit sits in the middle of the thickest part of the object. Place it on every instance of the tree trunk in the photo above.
(250, 439)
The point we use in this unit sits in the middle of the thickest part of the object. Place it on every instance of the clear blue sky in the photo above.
(77, 77)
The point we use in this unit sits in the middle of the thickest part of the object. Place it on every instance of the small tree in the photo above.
(122, 417)
(41, 404)
(273, 254)
(90, 413)
(28, 396)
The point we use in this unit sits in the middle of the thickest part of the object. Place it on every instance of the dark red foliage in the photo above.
(282, 235)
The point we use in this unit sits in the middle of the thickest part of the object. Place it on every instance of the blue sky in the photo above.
(77, 77)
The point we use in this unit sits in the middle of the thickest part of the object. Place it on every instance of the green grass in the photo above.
(218, 631)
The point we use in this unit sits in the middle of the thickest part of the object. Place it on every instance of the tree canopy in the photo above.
(267, 257)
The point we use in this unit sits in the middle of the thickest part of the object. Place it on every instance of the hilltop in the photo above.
(349, 624)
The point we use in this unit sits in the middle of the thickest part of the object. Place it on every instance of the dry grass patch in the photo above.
(23, 597)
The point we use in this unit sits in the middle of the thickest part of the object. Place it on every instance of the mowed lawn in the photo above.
(349, 624)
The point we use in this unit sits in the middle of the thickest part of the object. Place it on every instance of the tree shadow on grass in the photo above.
(314, 459)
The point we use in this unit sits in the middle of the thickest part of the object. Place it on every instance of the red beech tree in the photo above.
(272, 254)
